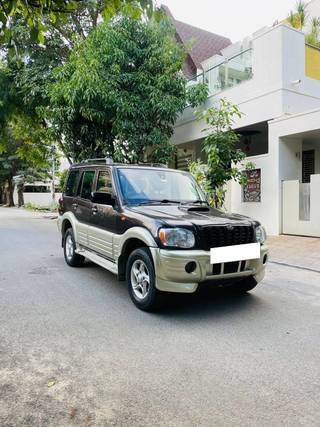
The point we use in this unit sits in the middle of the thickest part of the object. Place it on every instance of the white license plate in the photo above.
(235, 253)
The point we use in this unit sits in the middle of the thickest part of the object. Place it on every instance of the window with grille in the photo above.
(308, 165)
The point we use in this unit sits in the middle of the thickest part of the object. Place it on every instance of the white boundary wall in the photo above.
(39, 199)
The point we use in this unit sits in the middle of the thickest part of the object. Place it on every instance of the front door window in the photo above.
(87, 181)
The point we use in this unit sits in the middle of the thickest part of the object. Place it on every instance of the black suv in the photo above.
(153, 227)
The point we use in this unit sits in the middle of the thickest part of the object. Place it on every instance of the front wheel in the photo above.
(69, 249)
(141, 280)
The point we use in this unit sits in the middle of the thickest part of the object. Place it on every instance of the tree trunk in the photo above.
(20, 196)
(9, 193)
(6, 196)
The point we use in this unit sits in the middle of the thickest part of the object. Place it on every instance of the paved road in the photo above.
(74, 351)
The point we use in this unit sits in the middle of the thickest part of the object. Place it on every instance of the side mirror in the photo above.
(101, 198)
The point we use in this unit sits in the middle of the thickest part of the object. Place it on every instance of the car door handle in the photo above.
(94, 210)
(74, 205)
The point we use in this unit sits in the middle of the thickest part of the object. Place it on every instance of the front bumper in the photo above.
(171, 275)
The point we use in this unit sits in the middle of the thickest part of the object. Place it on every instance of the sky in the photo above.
(235, 19)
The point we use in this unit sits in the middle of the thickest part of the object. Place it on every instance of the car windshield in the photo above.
(143, 186)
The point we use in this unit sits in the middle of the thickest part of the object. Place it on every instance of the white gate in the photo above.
(301, 207)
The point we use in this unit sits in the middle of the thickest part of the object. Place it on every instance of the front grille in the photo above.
(228, 267)
(217, 236)
(231, 267)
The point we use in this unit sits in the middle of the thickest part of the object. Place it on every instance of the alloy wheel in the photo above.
(69, 247)
(140, 279)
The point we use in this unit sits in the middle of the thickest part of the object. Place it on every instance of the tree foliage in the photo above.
(24, 144)
(225, 161)
(7, 96)
(121, 91)
(88, 121)
(37, 13)
(32, 68)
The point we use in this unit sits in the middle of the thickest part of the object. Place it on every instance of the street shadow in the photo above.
(209, 302)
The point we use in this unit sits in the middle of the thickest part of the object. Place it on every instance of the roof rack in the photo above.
(153, 165)
(109, 161)
(106, 160)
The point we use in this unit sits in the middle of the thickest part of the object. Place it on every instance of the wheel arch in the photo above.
(65, 225)
(128, 247)
(68, 221)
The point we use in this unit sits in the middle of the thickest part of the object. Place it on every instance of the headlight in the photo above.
(177, 237)
(261, 235)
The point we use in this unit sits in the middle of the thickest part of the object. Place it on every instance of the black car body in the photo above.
(125, 218)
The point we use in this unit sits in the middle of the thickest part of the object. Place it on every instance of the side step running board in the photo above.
(108, 265)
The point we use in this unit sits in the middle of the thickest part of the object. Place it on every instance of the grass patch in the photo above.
(52, 207)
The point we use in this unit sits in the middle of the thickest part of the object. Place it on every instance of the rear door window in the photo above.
(104, 183)
(71, 186)
(87, 183)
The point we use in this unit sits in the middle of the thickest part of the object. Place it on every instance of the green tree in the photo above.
(24, 146)
(32, 69)
(225, 161)
(23, 151)
(25, 138)
(8, 98)
(121, 91)
(37, 13)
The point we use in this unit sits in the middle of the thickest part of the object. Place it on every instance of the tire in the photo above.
(244, 285)
(140, 276)
(69, 247)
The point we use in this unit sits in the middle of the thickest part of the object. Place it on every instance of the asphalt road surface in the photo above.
(74, 351)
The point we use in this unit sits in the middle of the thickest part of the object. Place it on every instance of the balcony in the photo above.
(229, 73)
(268, 75)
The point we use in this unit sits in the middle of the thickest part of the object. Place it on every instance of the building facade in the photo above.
(274, 78)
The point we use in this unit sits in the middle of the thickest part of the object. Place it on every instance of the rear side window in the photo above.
(71, 187)
(87, 181)
(104, 184)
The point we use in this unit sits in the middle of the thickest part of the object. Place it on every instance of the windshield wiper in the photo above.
(170, 201)
(195, 202)
(157, 202)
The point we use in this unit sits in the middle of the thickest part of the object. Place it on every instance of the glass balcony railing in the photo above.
(230, 73)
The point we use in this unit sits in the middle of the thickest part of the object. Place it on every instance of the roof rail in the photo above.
(153, 165)
(109, 161)
(106, 160)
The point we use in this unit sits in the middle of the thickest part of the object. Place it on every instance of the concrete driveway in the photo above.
(74, 351)
(296, 251)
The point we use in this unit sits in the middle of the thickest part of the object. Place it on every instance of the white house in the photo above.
(39, 193)
(274, 78)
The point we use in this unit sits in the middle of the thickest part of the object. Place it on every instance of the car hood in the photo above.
(190, 215)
